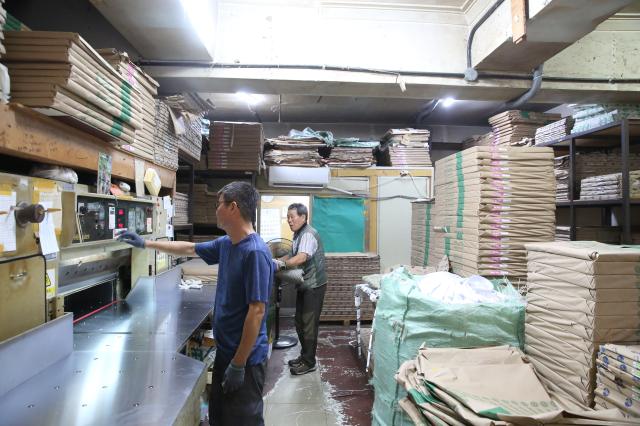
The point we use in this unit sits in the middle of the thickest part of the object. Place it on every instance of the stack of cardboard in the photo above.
(190, 141)
(554, 131)
(404, 148)
(285, 151)
(351, 157)
(486, 386)
(344, 273)
(235, 146)
(143, 145)
(484, 212)
(204, 204)
(518, 128)
(181, 209)
(603, 234)
(580, 294)
(60, 74)
(478, 140)
(166, 142)
(609, 187)
(561, 172)
(618, 379)
(420, 231)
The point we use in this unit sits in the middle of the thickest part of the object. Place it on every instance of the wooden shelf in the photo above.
(28, 134)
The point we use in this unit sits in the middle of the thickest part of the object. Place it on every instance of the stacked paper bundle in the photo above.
(580, 294)
(350, 157)
(486, 386)
(166, 142)
(406, 136)
(554, 131)
(344, 273)
(420, 231)
(204, 204)
(190, 142)
(60, 73)
(618, 379)
(478, 140)
(609, 187)
(590, 116)
(143, 145)
(404, 148)
(235, 146)
(561, 172)
(602, 234)
(181, 209)
(484, 212)
(299, 152)
(518, 128)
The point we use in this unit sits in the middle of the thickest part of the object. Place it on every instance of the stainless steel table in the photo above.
(124, 369)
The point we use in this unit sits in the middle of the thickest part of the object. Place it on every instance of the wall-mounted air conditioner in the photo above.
(302, 177)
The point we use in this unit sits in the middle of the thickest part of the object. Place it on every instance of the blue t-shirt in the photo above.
(245, 274)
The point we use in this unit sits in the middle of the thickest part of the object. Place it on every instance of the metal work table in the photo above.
(122, 365)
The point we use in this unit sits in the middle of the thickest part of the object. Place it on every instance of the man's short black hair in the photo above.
(300, 209)
(245, 196)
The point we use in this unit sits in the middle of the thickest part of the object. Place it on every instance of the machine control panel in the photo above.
(102, 219)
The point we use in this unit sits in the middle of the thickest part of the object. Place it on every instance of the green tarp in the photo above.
(340, 223)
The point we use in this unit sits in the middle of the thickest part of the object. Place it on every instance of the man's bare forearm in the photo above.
(250, 332)
(175, 248)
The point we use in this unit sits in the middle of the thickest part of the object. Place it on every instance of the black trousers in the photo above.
(240, 408)
(308, 308)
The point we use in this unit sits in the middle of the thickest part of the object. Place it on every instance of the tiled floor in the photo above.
(336, 394)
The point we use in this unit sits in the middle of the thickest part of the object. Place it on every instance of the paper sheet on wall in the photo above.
(166, 202)
(139, 177)
(7, 222)
(47, 233)
(52, 200)
(169, 231)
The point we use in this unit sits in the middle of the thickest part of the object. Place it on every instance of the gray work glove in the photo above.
(233, 378)
(280, 265)
(131, 238)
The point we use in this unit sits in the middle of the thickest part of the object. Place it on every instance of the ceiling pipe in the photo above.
(470, 74)
(426, 111)
(525, 97)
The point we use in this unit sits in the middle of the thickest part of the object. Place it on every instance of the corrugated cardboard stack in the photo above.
(518, 128)
(554, 131)
(484, 212)
(190, 142)
(609, 187)
(580, 294)
(143, 145)
(351, 157)
(618, 379)
(204, 204)
(181, 209)
(299, 152)
(561, 172)
(61, 73)
(166, 142)
(344, 272)
(235, 146)
(421, 223)
(478, 140)
(404, 148)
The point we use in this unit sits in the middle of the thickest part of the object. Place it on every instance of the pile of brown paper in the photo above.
(235, 146)
(404, 148)
(420, 231)
(166, 141)
(485, 212)
(580, 294)
(554, 131)
(486, 386)
(609, 187)
(181, 206)
(619, 379)
(518, 128)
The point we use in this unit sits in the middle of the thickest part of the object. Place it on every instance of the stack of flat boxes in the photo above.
(235, 146)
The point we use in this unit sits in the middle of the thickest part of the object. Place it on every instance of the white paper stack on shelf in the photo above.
(618, 379)
(344, 273)
(143, 145)
(181, 206)
(421, 223)
(580, 294)
(62, 75)
(554, 131)
(518, 128)
(351, 157)
(235, 146)
(484, 212)
(486, 386)
(590, 116)
(405, 148)
(609, 187)
(298, 152)
(561, 172)
(166, 142)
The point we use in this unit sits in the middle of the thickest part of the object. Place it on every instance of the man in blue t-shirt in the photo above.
(245, 276)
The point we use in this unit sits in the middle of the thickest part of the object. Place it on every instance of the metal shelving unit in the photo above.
(622, 134)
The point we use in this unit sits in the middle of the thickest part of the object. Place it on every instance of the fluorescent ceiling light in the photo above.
(200, 14)
(447, 102)
(250, 98)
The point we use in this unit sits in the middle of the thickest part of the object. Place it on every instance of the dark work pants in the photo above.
(242, 407)
(308, 309)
